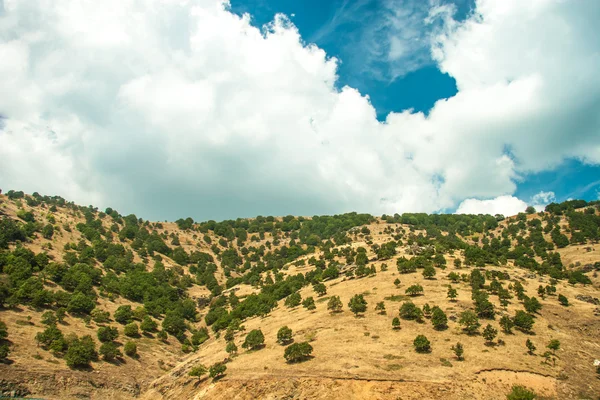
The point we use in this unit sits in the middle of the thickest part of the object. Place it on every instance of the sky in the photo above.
(215, 109)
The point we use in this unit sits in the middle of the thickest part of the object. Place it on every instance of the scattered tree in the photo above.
(530, 347)
(130, 348)
(422, 344)
(309, 303)
(217, 370)
(334, 304)
(439, 318)
(520, 393)
(452, 293)
(490, 333)
(396, 323)
(357, 304)
(255, 340)
(506, 323)
(284, 335)
(198, 371)
(458, 351)
(469, 321)
(297, 352)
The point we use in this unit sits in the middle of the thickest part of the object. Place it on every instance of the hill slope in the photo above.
(198, 282)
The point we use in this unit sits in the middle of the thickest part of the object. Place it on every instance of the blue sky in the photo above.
(379, 106)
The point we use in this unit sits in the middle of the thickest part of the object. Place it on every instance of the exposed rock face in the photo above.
(588, 299)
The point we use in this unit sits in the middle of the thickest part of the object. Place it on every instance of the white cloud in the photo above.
(542, 199)
(504, 205)
(173, 108)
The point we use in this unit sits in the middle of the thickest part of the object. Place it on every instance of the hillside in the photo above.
(179, 293)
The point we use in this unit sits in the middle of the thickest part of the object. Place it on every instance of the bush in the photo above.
(131, 330)
(3, 330)
(130, 349)
(429, 272)
(490, 333)
(293, 300)
(48, 318)
(174, 324)
(81, 352)
(297, 352)
(357, 304)
(334, 304)
(439, 319)
(458, 350)
(396, 323)
(523, 321)
(198, 371)
(422, 344)
(520, 393)
(231, 348)
(217, 370)
(506, 323)
(123, 315)
(320, 289)
(469, 321)
(148, 325)
(284, 335)
(200, 336)
(414, 290)
(309, 303)
(109, 351)
(4, 351)
(107, 334)
(410, 311)
(80, 304)
(563, 300)
(254, 340)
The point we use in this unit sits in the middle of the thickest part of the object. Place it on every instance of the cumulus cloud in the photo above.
(503, 205)
(175, 108)
(542, 199)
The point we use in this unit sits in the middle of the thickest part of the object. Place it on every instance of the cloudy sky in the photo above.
(216, 109)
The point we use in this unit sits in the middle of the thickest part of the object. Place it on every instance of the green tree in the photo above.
(422, 344)
(217, 370)
(523, 321)
(380, 307)
(408, 310)
(397, 282)
(80, 304)
(109, 351)
(198, 371)
(334, 304)
(297, 352)
(107, 334)
(81, 352)
(48, 231)
(554, 345)
(563, 300)
(131, 330)
(532, 305)
(123, 315)
(3, 331)
(396, 323)
(148, 324)
(48, 318)
(439, 318)
(284, 335)
(506, 323)
(357, 304)
(469, 321)
(530, 346)
(130, 348)
(309, 303)
(429, 272)
(458, 351)
(255, 339)
(174, 324)
(293, 300)
(452, 293)
(414, 290)
(490, 333)
(521, 393)
(320, 289)
(231, 348)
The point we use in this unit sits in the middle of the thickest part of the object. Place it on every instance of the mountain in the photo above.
(99, 305)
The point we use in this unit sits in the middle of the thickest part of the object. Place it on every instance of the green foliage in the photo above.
(48, 318)
(174, 324)
(469, 321)
(452, 293)
(81, 352)
(408, 310)
(255, 340)
(458, 350)
(523, 321)
(554, 345)
(320, 289)
(81, 304)
(3, 330)
(231, 348)
(530, 346)
(429, 272)
(309, 303)
(130, 348)
(357, 304)
(414, 290)
(532, 305)
(200, 336)
(107, 334)
(439, 318)
(490, 333)
(293, 300)
(284, 335)
(521, 393)
(148, 325)
(131, 330)
(123, 314)
(396, 323)
(297, 352)
(422, 344)
(109, 351)
(506, 323)
(217, 370)
(334, 304)
(198, 371)
(563, 300)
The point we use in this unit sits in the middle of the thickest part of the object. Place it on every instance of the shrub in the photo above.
(80, 304)
(532, 305)
(458, 350)
(200, 336)
(452, 293)
(107, 334)
(530, 346)
(309, 303)
(4, 351)
(130, 349)
(3, 330)
(490, 333)
(293, 300)
(554, 345)
(174, 324)
(439, 319)
(320, 289)
(469, 321)
(523, 321)
(217, 370)
(131, 330)
(422, 344)
(380, 307)
(48, 318)
(148, 324)
(410, 311)
(81, 352)
(284, 335)
(396, 323)
(506, 323)
(357, 304)
(334, 304)
(109, 351)
(414, 290)
(231, 348)
(100, 317)
(255, 339)
(520, 393)
(297, 352)
(198, 371)
(429, 272)
(123, 315)
(563, 300)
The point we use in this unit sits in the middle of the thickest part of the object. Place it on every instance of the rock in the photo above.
(588, 299)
